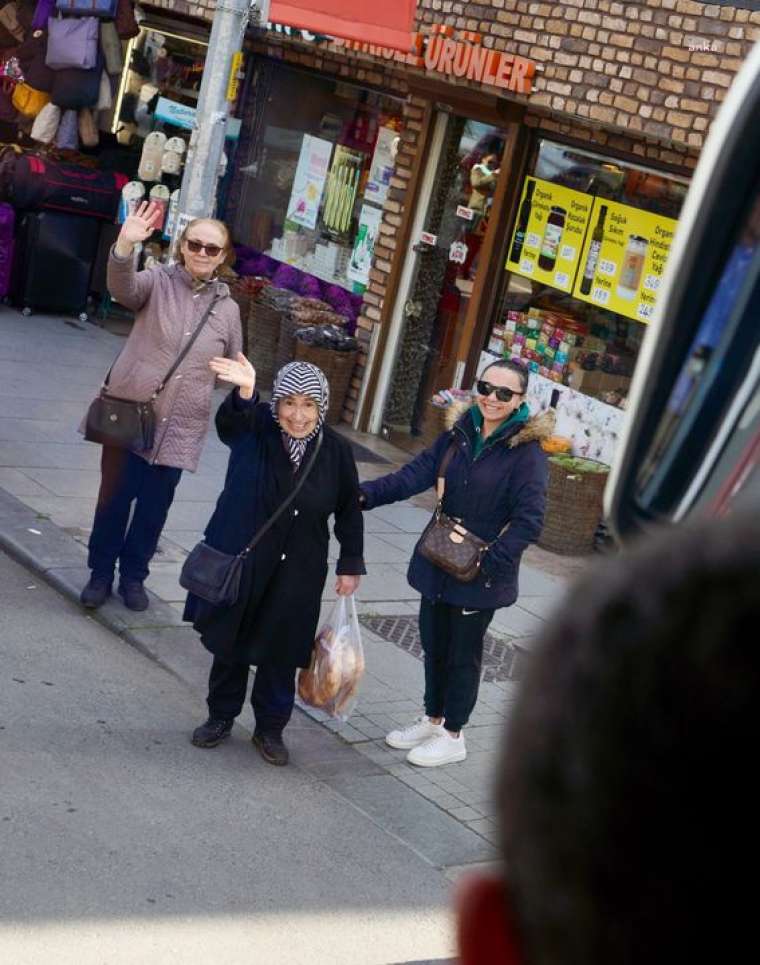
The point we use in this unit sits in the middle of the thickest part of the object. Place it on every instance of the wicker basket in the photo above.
(264, 323)
(433, 424)
(573, 509)
(338, 368)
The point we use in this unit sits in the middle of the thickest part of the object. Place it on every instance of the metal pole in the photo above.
(199, 182)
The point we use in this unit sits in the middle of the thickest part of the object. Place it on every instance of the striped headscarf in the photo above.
(300, 378)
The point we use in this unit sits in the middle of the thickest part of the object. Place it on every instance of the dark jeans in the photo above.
(272, 697)
(126, 479)
(452, 639)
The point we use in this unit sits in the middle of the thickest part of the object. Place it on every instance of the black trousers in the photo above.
(272, 697)
(127, 479)
(452, 639)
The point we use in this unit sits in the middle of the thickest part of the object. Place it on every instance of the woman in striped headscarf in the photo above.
(273, 624)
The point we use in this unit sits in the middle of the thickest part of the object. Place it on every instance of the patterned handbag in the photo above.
(446, 543)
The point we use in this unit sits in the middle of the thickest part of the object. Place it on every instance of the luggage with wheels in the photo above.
(53, 262)
(7, 231)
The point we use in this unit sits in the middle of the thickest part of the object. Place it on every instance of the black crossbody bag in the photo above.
(214, 576)
(124, 423)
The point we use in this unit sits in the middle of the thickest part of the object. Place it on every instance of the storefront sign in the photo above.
(388, 22)
(233, 84)
(180, 115)
(623, 269)
(309, 181)
(359, 265)
(550, 232)
(381, 169)
(464, 58)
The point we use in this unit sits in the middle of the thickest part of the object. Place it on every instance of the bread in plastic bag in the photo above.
(331, 681)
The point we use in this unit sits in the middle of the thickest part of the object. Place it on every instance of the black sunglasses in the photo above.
(502, 394)
(197, 246)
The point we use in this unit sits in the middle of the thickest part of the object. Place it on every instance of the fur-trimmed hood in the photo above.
(537, 428)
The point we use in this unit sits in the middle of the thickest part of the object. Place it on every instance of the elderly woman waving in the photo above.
(273, 623)
(183, 314)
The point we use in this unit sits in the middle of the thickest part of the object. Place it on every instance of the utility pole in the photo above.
(202, 170)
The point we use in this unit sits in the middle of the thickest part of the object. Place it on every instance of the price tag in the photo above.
(652, 283)
(607, 267)
(644, 311)
(600, 295)
(560, 278)
(526, 267)
(532, 240)
(566, 253)
(426, 238)
(467, 213)
(458, 252)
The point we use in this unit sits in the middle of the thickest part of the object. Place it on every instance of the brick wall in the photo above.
(638, 66)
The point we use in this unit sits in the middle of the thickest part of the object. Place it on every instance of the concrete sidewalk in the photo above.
(50, 369)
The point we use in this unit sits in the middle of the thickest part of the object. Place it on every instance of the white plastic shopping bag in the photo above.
(331, 681)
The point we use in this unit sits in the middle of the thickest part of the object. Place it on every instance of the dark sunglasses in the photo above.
(502, 394)
(197, 246)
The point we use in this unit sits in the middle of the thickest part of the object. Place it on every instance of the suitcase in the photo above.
(53, 262)
(32, 182)
(7, 231)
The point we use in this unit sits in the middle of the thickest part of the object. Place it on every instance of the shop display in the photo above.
(592, 258)
(573, 505)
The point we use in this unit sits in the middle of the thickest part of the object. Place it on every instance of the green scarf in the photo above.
(520, 415)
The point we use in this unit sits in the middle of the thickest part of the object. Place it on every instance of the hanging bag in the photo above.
(331, 681)
(88, 128)
(72, 42)
(214, 576)
(87, 8)
(446, 543)
(46, 124)
(28, 101)
(111, 47)
(126, 24)
(125, 423)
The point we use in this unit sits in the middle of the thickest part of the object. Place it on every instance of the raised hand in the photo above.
(140, 225)
(237, 371)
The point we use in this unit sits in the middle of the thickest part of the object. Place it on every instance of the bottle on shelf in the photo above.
(555, 225)
(592, 258)
(522, 222)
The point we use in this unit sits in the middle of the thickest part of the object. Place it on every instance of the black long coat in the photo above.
(275, 617)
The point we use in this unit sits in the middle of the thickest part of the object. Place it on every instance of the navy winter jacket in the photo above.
(505, 484)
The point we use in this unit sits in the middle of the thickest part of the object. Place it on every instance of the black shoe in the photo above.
(212, 732)
(134, 595)
(272, 748)
(96, 592)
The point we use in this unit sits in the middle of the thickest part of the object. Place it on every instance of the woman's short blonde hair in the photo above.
(229, 251)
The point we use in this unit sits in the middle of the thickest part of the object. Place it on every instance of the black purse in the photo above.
(124, 423)
(446, 543)
(215, 576)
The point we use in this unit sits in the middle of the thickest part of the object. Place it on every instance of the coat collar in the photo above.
(215, 285)
(536, 428)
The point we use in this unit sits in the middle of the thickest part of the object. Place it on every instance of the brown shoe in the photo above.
(272, 748)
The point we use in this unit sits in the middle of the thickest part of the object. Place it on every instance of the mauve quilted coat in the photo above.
(168, 306)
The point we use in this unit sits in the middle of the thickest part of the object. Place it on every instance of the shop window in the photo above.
(584, 263)
(314, 171)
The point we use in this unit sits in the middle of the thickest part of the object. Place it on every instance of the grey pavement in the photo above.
(50, 369)
(123, 843)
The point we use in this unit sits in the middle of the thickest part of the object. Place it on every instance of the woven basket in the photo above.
(433, 424)
(264, 323)
(573, 509)
(338, 368)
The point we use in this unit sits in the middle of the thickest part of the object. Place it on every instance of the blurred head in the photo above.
(204, 247)
(491, 161)
(624, 792)
(501, 389)
(300, 398)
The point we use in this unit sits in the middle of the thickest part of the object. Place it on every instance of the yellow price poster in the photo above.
(624, 258)
(549, 234)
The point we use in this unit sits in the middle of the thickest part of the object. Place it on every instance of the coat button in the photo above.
(163, 420)
(282, 557)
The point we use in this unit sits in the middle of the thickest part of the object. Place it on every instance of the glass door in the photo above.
(447, 266)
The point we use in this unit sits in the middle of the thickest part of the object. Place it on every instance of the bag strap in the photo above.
(440, 485)
(273, 519)
(180, 357)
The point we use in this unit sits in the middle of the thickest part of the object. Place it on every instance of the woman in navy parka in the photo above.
(497, 476)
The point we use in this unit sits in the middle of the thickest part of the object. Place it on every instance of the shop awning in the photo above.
(386, 23)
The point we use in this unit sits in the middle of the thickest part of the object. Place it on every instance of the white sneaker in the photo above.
(439, 750)
(418, 732)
